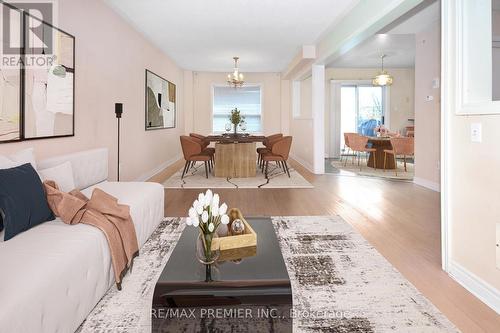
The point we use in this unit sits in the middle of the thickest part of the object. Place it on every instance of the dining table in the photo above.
(235, 154)
(380, 144)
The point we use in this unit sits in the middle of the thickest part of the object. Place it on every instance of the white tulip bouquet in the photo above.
(207, 215)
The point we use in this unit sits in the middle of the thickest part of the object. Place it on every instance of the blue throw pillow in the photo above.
(22, 200)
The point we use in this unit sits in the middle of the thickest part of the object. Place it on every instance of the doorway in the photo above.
(362, 109)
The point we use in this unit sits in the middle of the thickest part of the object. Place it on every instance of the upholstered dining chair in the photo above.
(358, 144)
(268, 145)
(193, 153)
(404, 146)
(204, 146)
(346, 145)
(279, 153)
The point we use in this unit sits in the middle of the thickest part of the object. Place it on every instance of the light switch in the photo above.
(435, 83)
(498, 245)
(429, 98)
(476, 134)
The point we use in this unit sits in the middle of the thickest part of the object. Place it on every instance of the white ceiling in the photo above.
(420, 21)
(400, 51)
(398, 43)
(204, 35)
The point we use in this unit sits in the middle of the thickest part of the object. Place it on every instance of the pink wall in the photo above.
(111, 58)
(427, 113)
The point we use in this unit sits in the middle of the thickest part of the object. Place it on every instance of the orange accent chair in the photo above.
(358, 145)
(400, 146)
(193, 153)
(279, 153)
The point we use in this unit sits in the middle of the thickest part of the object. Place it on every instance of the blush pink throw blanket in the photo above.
(101, 211)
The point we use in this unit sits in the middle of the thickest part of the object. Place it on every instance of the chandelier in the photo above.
(383, 78)
(235, 79)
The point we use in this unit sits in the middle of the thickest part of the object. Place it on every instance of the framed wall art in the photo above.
(160, 102)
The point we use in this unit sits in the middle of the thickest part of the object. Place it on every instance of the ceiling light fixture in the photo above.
(383, 78)
(235, 79)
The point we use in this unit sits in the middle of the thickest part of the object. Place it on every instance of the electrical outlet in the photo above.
(429, 98)
(498, 245)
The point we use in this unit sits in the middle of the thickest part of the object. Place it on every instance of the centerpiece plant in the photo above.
(236, 119)
(207, 215)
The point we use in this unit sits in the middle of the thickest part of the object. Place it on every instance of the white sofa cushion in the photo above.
(56, 273)
(62, 174)
(19, 158)
(89, 167)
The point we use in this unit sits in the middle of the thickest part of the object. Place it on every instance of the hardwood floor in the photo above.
(400, 219)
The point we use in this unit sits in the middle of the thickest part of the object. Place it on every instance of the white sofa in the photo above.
(53, 275)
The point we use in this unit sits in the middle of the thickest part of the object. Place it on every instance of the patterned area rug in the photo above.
(353, 169)
(340, 283)
(277, 179)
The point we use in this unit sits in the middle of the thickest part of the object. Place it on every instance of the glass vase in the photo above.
(205, 252)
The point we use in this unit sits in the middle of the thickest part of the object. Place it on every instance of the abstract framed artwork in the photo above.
(49, 104)
(11, 84)
(37, 78)
(160, 97)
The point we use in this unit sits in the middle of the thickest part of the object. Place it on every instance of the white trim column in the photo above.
(318, 115)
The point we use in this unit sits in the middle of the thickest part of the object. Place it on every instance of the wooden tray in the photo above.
(247, 239)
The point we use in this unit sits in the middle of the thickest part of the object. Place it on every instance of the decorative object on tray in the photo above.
(235, 247)
(237, 227)
(237, 119)
(207, 215)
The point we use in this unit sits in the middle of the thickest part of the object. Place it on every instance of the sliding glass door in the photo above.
(362, 109)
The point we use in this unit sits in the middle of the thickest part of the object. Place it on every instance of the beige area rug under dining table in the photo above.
(195, 178)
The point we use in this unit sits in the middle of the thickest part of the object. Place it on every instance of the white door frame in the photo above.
(446, 70)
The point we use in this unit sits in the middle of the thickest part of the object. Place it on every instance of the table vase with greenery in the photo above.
(236, 119)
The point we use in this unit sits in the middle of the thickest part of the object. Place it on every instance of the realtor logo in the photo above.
(28, 24)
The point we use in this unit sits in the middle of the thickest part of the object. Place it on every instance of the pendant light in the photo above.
(383, 78)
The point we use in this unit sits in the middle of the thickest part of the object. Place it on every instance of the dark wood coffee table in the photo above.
(254, 292)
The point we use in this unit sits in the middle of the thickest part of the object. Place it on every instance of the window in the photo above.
(247, 99)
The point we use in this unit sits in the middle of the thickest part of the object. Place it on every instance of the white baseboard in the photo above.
(302, 162)
(158, 169)
(479, 288)
(427, 184)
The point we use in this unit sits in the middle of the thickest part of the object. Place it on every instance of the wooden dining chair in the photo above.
(346, 145)
(268, 145)
(350, 137)
(279, 153)
(358, 144)
(404, 146)
(193, 153)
